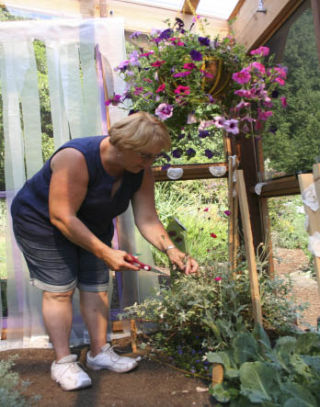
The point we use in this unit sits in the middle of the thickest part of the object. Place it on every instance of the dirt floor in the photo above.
(151, 384)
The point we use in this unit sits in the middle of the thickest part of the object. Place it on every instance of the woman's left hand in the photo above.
(184, 262)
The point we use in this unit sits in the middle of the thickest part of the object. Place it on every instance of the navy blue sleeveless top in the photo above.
(30, 211)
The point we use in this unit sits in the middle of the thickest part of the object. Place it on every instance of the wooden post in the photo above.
(305, 180)
(250, 253)
(233, 237)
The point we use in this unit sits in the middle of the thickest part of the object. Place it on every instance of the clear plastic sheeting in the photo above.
(76, 92)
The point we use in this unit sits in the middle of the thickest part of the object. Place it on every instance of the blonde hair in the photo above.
(139, 131)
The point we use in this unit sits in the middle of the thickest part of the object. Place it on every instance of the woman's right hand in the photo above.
(119, 260)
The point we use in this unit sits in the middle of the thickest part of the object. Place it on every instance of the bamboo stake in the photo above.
(248, 240)
(305, 180)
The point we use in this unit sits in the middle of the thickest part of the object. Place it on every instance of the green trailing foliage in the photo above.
(259, 374)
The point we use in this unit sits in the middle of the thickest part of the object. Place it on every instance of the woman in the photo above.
(62, 219)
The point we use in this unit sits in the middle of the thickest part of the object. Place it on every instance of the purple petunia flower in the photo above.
(208, 153)
(203, 133)
(136, 34)
(190, 152)
(177, 153)
(196, 55)
(204, 41)
(164, 111)
(166, 34)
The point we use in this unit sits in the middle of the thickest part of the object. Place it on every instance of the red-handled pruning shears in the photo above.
(134, 260)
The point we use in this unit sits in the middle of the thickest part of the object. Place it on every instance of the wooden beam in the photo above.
(253, 29)
(190, 171)
(190, 6)
(283, 186)
(137, 17)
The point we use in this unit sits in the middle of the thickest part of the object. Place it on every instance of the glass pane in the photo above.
(220, 9)
(292, 142)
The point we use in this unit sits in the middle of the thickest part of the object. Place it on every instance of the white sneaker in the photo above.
(108, 359)
(69, 374)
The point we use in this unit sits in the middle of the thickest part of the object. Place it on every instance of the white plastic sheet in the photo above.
(75, 99)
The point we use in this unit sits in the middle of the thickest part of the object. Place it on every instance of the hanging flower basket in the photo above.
(200, 87)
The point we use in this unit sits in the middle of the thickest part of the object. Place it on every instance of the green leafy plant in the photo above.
(258, 374)
(204, 312)
(10, 386)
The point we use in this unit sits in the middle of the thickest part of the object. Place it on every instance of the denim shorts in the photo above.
(57, 265)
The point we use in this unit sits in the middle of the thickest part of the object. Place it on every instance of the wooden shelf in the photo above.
(286, 185)
(190, 171)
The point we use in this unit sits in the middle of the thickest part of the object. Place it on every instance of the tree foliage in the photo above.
(292, 143)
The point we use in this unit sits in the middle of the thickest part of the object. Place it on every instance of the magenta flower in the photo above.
(217, 278)
(157, 64)
(189, 66)
(182, 90)
(138, 90)
(161, 88)
(146, 54)
(164, 111)
(205, 209)
(114, 101)
(281, 72)
(284, 101)
(227, 213)
(206, 74)
(213, 235)
(280, 81)
(258, 66)
(242, 77)
(243, 93)
(263, 51)
(181, 74)
(264, 115)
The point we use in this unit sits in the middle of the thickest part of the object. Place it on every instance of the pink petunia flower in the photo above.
(228, 213)
(189, 66)
(280, 81)
(284, 102)
(181, 74)
(164, 111)
(158, 63)
(161, 88)
(263, 51)
(243, 93)
(219, 121)
(258, 66)
(264, 115)
(242, 77)
(146, 54)
(217, 278)
(182, 90)
(231, 126)
(205, 209)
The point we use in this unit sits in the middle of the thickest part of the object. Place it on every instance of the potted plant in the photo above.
(201, 87)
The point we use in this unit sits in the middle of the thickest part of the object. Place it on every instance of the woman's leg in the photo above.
(57, 316)
(94, 309)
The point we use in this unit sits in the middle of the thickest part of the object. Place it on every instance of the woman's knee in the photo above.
(56, 296)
